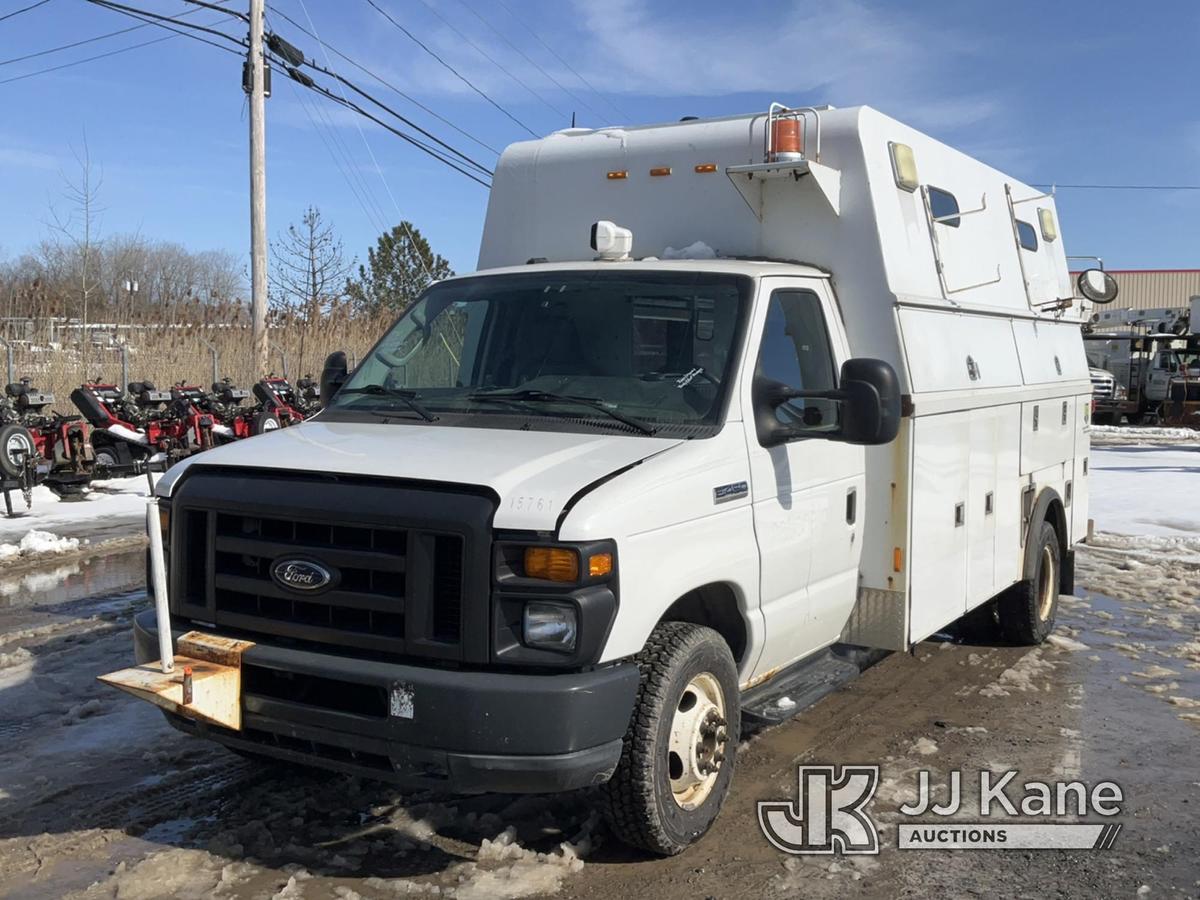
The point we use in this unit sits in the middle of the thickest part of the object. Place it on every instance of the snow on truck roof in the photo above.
(891, 212)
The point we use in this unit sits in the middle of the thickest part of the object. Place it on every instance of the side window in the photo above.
(1027, 235)
(944, 206)
(796, 351)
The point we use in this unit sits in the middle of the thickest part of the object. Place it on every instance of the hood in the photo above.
(535, 474)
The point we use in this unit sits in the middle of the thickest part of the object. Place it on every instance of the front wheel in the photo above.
(678, 755)
(1027, 609)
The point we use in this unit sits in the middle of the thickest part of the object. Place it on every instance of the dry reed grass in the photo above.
(167, 353)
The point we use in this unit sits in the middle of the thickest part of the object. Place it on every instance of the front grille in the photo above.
(400, 577)
(1102, 387)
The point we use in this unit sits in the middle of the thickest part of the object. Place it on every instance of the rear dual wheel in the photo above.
(678, 755)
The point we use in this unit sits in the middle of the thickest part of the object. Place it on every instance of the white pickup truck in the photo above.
(730, 407)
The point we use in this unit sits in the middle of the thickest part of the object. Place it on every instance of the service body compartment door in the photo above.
(938, 552)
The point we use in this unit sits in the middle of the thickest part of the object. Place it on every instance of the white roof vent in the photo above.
(611, 241)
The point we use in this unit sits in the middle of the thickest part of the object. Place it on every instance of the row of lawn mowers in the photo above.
(136, 430)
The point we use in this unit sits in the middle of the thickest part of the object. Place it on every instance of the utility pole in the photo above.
(258, 190)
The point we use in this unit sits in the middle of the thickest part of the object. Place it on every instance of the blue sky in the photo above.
(1073, 91)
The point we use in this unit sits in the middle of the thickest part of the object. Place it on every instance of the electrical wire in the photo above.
(92, 40)
(371, 215)
(88, 59)
(449, 67)
(387, 84)
(17, 12)
(159, 20)
(492, 59)
(624, 116)
(378, 169)
(528, 59)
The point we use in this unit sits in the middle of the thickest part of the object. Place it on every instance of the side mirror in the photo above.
(869, 397)
(1097, 285)
(333, 376)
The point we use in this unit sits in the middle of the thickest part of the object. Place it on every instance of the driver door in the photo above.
(807, 494)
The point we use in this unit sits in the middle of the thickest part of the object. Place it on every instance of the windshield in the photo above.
(622, 350)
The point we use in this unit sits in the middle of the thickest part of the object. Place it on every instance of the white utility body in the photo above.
(727, 398)
(999, 388)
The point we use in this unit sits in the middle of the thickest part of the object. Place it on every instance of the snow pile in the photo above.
(37, 543)
(698, 250)
(106, 503)
(1022, 677)
(925, 746)
(1123, 434)
(1145, 491)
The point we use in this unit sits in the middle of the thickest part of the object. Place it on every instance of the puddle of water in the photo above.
(76, 580)
(1143, 647)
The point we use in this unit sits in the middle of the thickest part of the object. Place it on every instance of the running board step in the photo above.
(806, 682)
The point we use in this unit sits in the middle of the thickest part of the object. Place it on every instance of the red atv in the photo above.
(224, 403)
(128, 433)
(192, 426)
(61, 441)
(279, 406)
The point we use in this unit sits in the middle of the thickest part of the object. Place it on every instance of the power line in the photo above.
(89, 59)
(431, 151)
(527, 59)
(159, 20)
(492, 60)
(378, 169)
(17, 12)
(571, 68)
(449, 67)
(387, 84)
(92, 40)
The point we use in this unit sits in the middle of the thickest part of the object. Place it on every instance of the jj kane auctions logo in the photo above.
(830, 814)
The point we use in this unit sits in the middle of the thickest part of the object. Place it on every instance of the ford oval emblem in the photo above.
(301, 574)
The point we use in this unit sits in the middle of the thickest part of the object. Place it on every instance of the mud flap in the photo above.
(206, 683)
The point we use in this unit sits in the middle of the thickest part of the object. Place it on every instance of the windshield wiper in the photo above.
(409, 398)
(532, 396)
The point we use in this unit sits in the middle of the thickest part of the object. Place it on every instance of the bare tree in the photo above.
(78, 229)
(308, 270)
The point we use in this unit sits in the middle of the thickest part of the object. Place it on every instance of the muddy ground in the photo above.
(99, 798)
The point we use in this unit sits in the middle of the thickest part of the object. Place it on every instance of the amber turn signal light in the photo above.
(600, 564)
(551, 563)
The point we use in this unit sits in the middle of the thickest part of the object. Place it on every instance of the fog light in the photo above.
(551, 563)
(550, 626)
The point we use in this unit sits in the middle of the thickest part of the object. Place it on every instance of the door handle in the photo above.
(851, 506)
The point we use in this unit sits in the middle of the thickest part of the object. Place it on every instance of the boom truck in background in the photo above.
(1146, 364)
(580, 512)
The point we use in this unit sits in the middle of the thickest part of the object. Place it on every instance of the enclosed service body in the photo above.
(726, 400)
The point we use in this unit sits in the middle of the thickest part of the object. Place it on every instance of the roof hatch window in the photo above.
(944, 207)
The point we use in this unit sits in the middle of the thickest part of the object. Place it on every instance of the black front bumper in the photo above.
(459, 731)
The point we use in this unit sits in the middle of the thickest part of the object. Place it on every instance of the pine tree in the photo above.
(398, 268)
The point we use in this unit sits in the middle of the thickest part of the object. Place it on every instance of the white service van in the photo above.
(731, 406)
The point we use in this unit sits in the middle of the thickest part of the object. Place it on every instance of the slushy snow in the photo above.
(37, 543)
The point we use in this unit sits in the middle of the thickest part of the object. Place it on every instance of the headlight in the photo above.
(550, 626)
(1120, 393)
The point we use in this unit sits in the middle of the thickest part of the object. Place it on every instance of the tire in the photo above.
(642, 805)
(1102, 418)
(105, 459)
(16, 448)
(1027, 609)
(264, 422)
